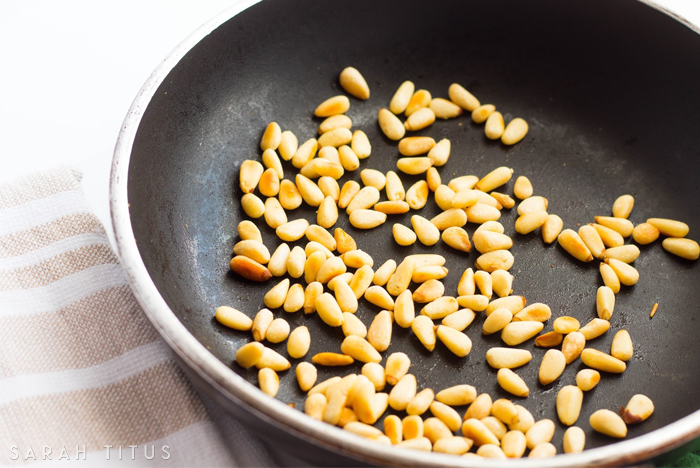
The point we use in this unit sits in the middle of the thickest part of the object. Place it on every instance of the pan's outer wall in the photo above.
(612, 105)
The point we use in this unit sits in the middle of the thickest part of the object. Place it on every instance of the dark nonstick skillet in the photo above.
(610, 89)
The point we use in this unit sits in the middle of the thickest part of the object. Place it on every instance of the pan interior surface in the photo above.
(612, 108)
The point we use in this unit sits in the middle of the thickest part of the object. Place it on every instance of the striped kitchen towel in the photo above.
(83, 375)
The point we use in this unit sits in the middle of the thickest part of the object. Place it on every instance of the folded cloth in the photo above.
(83, 374)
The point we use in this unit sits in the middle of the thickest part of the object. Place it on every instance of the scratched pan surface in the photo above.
(610, 92)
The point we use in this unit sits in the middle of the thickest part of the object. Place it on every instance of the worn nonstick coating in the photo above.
(609, 90)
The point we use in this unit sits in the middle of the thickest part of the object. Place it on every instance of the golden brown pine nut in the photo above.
(608, 423)
(622, 348)
(610, 237)
(625, 253)
(623, 206)
(466, 286)
(295, 299)
(460, 319)
(250, 173)
(315, 405)
(378, 296)
(402, 97)
(434, 429)
(508, 358)
(394, 187)
(344, 278)
(574, 440)
(525, 420)
(458, 395)
(505, 200)
(552, 365)
(273, 360)
(367, 219)
(527, 223)
(274, 213)
(352, 81)
(534, 203)
(375, 374)
(453, 445)
(296, 261)
(361, 280)
(305, 153)
(522, 188)
(393, 428)
(384, 272)
(497, 321)
(275, 297)
(344, 242)
(463, 183)
(495, 426)
(360, 349)
(347, 193)
(413, 146)
(357, 259)
(420, 403)
(327, 213)
(306, 375)
(681, 247)
(365, 198)
(481, 213)
(247, 230)
(502, 283)
(392, 207)
(329, 310)
(345, 297)
(353, 325)
(361, 145)
(379, 332)
(269, 381)
(592, 239)
(627, 274)
(269, 184)
(429, 291)
(587, 379)
(543, 450)
(414, 165)
(423, 274)
(451, 218)
(403, 235)
(512, 383)
(418, 443)
(373, 178)
(249, 354)
(420, 119)
(417, 195)
(333, 106)
(403, 392)
(419, 100)
(318, 167)
(312, 195)
(272, 161)
(594, 328)
(514, 444)
(332, 359)
(513, 303)
(333, 122)
(496, 260)
(515, 131)
(572, 243)
(424, 329)
(444, 109)
(439, 154)
(669, 227)
(645, 233)
(495, 179)
(479, 433)
(602, 362)
(454, 340)
(252, 205)
(495, 126)
(519, 332)
(480, 407)
(311, 293)
(620, 225)
(462, 97)
(391, 125)
(457, 238)
(639, 408)
(426, 232)
(330, 188)
(363, 430)
(312, 265)
(288, 145)
(279, 259)
(447, 415)
(289, 195)
(566, 325)
(474, 302)
(444, 196)
(252, 249)
(549, 339)
(465, 198)
(605, 302)
(540, 432)
(404, 309)
(490, 451)
(298, 342)
(505, 411)
(482, 113)
(551, 228)
(401, 278)
(574, 343)
(232, 318)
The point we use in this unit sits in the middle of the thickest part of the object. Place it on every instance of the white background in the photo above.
(69, 70)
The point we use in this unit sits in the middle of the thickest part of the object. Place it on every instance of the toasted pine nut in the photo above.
(402, 97)
(451, 218)
(519, 332)
(523, 187)
(252, 205)
(364, 199)
(453, 445)
(458, 395)
(463, 198)
(549, 339)
(312, 195)
(587, 379)
(272, 161)
(327, 213)
(348, 159)
(329, 186)
(505, 411)
(495, 179)
(482, 113)
(525, 420)
(232, 318)
(455, 340)
(352, 81)
(445, 109)
(247, 230)
(404, 309)
(347, 193)
(610, 237)
(417, 195)
(543, 450)
(515, 131)
(480, 407)
(444, 196)
(313, 264)
(305, 153)
(594, 328)
(359, 349)
(360, 145)
(312, 292)
(278, 261)
(639, 408)
(352, 325)
(574, 343)
(333, 122)
(373, 178)
(462, 97)
(460, 319)
(273, 360)
(592, 239)
(497, 321)
(429, 291)
(491, 451)
(496, 260)
(669, 227)
(375, 374)
(514, 444)
(394, 187)
(323, 386)
(623, 206)
(551, 228)
(419, 100)
(332, 359)
(413, 146)
(384, 272)
(552, 365)
(401, 278)
(357, 259)
(627, 274)
(329, 310)
(479, 433)
(623, 226)
(306, 374)
(505, 200)
(296, 260)
(397, 365)
(474, 302)
(288, 145)
(424, 330)
(605, 302)
(434, 429)
(417, 443)
(343, 278)
(608, 423)
(318, 167)
(601, 361)
(513, 303)
(378, 296)
(495, 426)
(502, 283)
(250, 173)
(392, 207)
(494, 127)
(275, 297)
(420, 119)
(622, 346)
(367, 219)
(333, 106)
(540, 432)
(315, 405)
(403, 392)
(566, 325)
(537, 312)
(447, 415)
(423, 274)
(645, 233)
(426, 232)
(345, 297)
(414, 165)
(684, 248)
(289, 195)
(269, 184)
(391, 125)
(574, 440)
(466, 285)
(508, 358)
(363, 430)
(439, 154)
(274, 213)
(393, 428)
(534, 203)
(249, 354)
(530, 221)
(481, 213)
(379, 332)
(420, 403)
(269, 381)
(278, 331)
(512, 383)
(457, 238)
(463, 183)
(572, 243)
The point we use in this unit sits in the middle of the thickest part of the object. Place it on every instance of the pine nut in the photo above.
(413, 146)
(514, 444)
(401, 278)
(523, 187)
(417, 195)
(514, 131)
(565, 325)
(620, 225)
(359, 349)
(447, 415)
(463, 183)
(288, 145)
(454, 340)
(252, 205)
(375, 374)
(423, 274)
(639, 408)
(347, 193)
(458, 395)
(536, 312)
(289, 196)
(424, 329)
(379, 332)
(605, 302)
(540, 432)
(275, 297)
(453, 445)
(357, 259)
(420, 403)
(490, 451)
(333, 106)
(505, 200)
(439, 154)
(451, 218)
(572, 243)
(313, 264)
(464, 198)
(420, 99)
(625, 253)
(512, 383)
(495, 426)
(482, 113)
(474, 302)
(272, 161)
(329, 310)
(390, 125)
(418, 443)
(549, 339)
(232, 318)
(273, 360)
(352, 81)
(363, 430)
(402, 97)
(543, 450)
(337, 395)
(312, 292)
(364, 199)
(592, 240)
(332, 359)
(441, 307)
(278, 261)
(594, 328)
(513, 303)
(348, 159)
(327, 214)
(414, 165)
(392, 207)
(247, 230)
(622, 346)
(602, 362)
(278, 331)
(306, 374)
(360, 144)
(319, 167)
(250, 173)
(669, 227)
(420, 119)
(506, 412)
(333, 122)
(508, 358)
(367, 219)
(574, 440)
(345, 297)
(378, 296)
(610, 237)
(552, 365)
(393, 428)
(574, 342)
(587, 379)
(384, 272)
(402, 235)
(495, 260)
(434, 429)
(352, 325)
(645, 233)
(681, 247)
(323, 386)
(249, 354)
(274, 213)
(569, 401)
(494, 127)
(445, 109)
(269, 184)
(312, 195)
(444, 196)
(481, 435)
(495, 179)
(315, 405)
(373, 178)
(534, 203)
(516, 333)
(296, 259)
(497, 321)
(269, 381)
(404, 309)
(426, 232)
(627, 274)
(466, 286)
(429, 291)
(610, 278)
(479, 408)
(481, 213)
(623, 206)
(525, 420)
(305, 153)
(551, 228)
(403, 392)
(457, 238)
(608, 423)
(397, 365)
(462, 97)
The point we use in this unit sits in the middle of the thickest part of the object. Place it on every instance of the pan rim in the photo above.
(234, 387)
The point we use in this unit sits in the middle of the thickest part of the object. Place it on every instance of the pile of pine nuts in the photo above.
(495, 429)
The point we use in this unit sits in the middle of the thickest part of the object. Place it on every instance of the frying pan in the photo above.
(610, 92)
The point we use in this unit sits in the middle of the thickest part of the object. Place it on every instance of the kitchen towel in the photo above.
(84, 377)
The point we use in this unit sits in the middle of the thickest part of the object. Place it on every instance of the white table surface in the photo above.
(71, 68)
